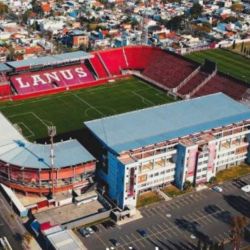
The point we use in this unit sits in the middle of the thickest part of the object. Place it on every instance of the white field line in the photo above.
(86, 103)
(143, 98)
(29, 129)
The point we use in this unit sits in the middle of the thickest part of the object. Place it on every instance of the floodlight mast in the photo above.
(52, 133)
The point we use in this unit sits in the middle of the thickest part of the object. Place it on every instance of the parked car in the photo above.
(85, 233)
(246, 188)
(142, 232)
(115, 242)
(90, 230)
(217, 189)
(95, 228)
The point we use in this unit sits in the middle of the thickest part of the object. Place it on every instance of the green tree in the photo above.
(237, 7)
(234, 45)
(238, 225)
(187, 185)
(3, 8)
(212, 180)
(175, 23)
(242, 47)
(196, 10)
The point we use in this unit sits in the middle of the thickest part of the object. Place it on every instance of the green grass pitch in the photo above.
(68, 110)
(228, 62)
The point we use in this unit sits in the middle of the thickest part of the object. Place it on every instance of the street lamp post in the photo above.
(52, 133)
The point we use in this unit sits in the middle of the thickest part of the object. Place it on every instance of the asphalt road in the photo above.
(9, 226)
(170, 224)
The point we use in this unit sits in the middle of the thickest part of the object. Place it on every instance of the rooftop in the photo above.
(165, 122)
(4, 68)
(16, 150)
(64, 240)
(48, 60)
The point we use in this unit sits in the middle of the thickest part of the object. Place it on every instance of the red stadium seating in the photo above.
(193, 83)
(114, 60)
(167, 69)
(98, 66)
(139, 57)
(5, 90)
(224, 84)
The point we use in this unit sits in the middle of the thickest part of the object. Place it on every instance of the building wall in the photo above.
(194, 161)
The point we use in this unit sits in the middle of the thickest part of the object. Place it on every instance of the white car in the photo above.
(246, 188)
(217, 189)
(90, 230)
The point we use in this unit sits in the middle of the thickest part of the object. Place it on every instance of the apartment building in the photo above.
(171, 143)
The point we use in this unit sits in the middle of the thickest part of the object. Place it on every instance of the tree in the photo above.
(234, 45)
(175, 23)
(27, 238)
(212, 180)
(237, 7)
(238, 225)
(196, 10)
(242, 47)
(3, 8)
(187, 185)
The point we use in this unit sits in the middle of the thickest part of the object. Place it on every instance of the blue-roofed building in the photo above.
(186, 140)
(28, 166)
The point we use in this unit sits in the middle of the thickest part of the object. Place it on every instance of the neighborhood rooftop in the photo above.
(165, 122)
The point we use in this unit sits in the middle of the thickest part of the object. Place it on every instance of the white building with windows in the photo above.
(171, 143)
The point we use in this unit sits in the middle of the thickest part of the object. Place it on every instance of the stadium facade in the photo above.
(26, 166)
(184, 141)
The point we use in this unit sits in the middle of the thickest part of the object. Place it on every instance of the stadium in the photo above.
(178, 76)
(27, 166)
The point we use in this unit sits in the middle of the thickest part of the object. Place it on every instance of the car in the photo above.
(217, 189)
(85, 233)
(95, 228)
(90, 230)
(246, 188)
(142, 232)
(115, 242)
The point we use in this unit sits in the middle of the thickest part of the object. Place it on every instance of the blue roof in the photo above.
(4, 68)
(49, 60)
(165, 122)
(16, 150)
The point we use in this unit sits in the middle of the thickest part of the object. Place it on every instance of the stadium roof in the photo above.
(16, 150)
(165, 122)
(4, 68)
(50, 60)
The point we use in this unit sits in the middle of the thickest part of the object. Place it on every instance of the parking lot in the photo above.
(179, 223)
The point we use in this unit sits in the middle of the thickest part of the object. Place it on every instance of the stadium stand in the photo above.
(138, 58)
(193, 83)
(49, 79)
(98, 66)
(225, 84)
(167, 69)
(114, 60)
(181, 77)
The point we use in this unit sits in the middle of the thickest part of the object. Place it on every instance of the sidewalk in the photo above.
(163, 195)
(137, 216)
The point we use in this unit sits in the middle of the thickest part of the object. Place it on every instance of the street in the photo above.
(177, 224)
(10, 227)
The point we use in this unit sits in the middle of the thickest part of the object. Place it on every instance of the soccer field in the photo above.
(68, 110)
(228, 62)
